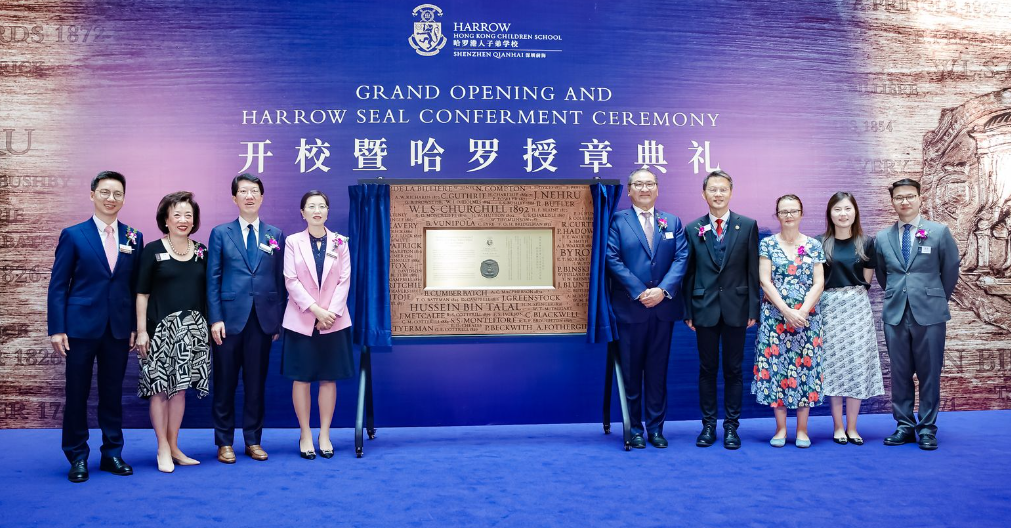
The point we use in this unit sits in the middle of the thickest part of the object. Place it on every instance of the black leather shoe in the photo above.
(657, 440)
(900, 437)
(637, 441)
(115, 465)
(78, 471)
(928, 441)
(707, 437)
(731, 441)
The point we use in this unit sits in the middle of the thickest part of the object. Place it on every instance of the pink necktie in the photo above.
(110, 248)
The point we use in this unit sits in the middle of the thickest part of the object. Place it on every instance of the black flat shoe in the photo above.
(658, 440)
(731, 441)
(928, 442)
(116, 466)
(855, 440)
(637, 441)
(707, 437)
(842, 440)
(78, 471)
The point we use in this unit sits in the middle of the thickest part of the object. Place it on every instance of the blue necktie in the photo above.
(906, 242)
(251, 246)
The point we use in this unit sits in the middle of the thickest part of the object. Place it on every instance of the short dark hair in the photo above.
(789, 197)
(643, 169)
(904, 182)
(108, 175)
(314, 193)
(171, 200)
(717, 174)
(247, 177)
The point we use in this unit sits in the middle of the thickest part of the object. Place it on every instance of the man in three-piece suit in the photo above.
(721, 302)
(917, 267)
(245, 302)
(91, 316)
(646, 258)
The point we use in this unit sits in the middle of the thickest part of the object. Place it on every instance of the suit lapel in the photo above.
(707, 241)
(262, 239)
(121, 242)
(894, 235)
(91, 234)
(914, 245)
(733, 225)
(235, 233)
(633, 221)
(305, 248)
(328, 261)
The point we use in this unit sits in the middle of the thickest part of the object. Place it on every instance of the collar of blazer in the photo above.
(304, 243)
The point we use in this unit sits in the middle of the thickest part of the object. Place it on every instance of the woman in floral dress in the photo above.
(787, 373)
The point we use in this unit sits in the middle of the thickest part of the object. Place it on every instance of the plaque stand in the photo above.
(613, 372)
(365, 415)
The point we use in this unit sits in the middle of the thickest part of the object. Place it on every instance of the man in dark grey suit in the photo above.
(918, 268)
(721, 302)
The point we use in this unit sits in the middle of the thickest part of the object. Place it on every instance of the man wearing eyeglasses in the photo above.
(245, 302)
(646, 258)
(91, 316)
(918, 268)
(721, 302)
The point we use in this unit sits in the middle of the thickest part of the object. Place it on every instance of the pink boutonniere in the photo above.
(921, 233)
(703, 229)
(339, 240)
(662, 223)
(200, 251)
(131, 235)
(272, 243)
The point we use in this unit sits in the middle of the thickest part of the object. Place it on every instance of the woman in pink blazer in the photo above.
(317, 336)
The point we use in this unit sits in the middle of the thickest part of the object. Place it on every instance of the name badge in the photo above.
(807, 259)
(668, 235)
(266, 248)
(924, 249)
(332, 254)
(125, 248)
(162, 256)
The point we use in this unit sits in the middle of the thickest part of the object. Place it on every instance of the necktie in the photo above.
(719, 228)
(251, 245)
(110, 248)
(906, 242)
(647, 219)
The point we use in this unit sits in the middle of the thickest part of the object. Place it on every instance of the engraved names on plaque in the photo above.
(538, 260)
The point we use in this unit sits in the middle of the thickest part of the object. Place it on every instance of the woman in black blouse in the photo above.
(850, 361)
(172, 303)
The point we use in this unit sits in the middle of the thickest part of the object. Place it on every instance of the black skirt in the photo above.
(317, 357)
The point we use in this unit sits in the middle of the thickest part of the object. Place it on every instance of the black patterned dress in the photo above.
(179, 356)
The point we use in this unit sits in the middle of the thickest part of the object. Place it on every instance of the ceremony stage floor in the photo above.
(535, 475)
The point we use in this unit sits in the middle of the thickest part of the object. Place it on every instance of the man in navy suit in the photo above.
(721, 302)
(245, 302)
(91, 316)
(647, 256)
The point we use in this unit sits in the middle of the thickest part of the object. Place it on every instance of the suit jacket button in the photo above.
(903, 290)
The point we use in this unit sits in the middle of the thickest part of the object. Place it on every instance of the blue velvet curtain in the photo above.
(601, 326)
(369, 299)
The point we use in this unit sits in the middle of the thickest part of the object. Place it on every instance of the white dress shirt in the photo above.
(726, 220)
(245, 229)
(101, 228)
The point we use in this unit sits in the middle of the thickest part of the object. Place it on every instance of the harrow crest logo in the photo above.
(427, 39)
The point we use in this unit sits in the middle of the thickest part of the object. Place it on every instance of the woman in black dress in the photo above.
(171, 303)
(317, 326)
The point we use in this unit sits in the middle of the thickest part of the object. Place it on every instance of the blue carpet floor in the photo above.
(544, 475)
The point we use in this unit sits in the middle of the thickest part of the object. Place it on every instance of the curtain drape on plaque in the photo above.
(601, 326)
(369, 298)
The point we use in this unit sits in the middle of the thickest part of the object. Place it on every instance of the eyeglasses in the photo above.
(104, 194)
(788, 213)
(313, 207)
(904, 198)
(639, 186)
(715, 190)
(249, 192)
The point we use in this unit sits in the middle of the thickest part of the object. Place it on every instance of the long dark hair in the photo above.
(828, 238)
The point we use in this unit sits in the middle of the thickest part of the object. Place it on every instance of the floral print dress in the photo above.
(787, 368)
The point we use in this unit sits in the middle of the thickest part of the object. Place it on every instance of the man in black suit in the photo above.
(722, 298)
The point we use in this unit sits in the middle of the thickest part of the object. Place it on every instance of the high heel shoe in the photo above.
(311, 454)
(168, 467)
(325, 454)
